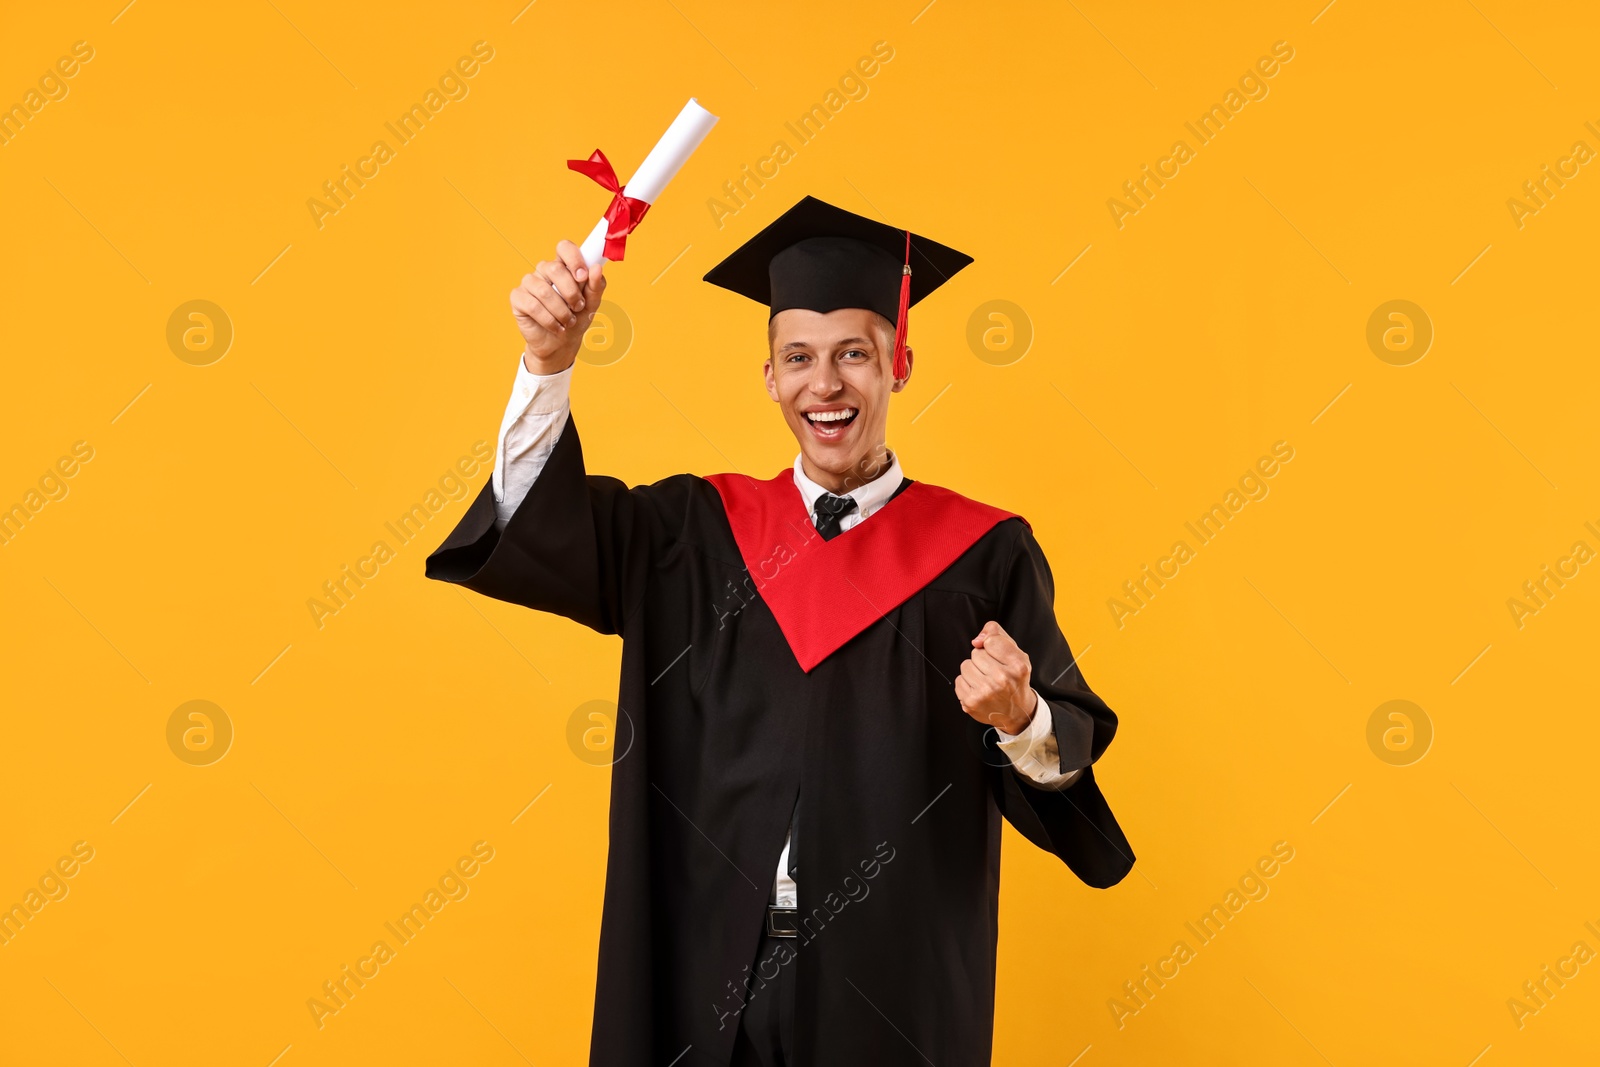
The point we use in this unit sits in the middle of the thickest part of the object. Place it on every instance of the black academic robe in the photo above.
(722, 729)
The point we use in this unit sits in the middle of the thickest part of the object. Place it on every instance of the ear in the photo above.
(772, 383)
(911, 365)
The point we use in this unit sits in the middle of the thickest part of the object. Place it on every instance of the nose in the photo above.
(825, 380)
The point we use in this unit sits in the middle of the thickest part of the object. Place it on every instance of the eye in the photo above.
(856, 352)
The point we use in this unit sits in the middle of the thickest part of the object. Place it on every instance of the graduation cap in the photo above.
(822, 258)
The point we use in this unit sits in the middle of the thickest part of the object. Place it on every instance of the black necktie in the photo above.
(794, 835)
(830, 511)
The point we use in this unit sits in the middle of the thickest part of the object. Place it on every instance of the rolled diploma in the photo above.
(664, 161)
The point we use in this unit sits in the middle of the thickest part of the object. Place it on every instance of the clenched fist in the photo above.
(993, 687)
(554, 307)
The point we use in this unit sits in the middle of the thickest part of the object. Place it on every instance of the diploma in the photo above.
(629, 203)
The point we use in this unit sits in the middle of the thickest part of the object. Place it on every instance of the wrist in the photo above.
(1021, 717)
(1012, 730)
(545, 365)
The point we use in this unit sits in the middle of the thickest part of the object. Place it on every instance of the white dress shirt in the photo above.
(535, 416)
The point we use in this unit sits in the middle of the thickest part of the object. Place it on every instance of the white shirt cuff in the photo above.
(1034, 753)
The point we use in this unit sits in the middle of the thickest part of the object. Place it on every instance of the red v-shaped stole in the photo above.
(823, 593)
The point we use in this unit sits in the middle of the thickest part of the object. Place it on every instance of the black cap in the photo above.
(822, 258)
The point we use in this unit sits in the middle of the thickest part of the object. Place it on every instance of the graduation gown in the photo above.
(844, 694)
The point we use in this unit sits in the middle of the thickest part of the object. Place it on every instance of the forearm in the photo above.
(553, 306)
(534, 417)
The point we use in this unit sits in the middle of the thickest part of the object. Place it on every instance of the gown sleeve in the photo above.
(1074, 823)
(580, 546)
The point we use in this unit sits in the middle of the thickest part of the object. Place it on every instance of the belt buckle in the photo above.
(781, 922)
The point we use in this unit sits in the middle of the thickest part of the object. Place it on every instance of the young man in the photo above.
(834, 684)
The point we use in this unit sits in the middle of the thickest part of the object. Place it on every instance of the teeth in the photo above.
(830, 416)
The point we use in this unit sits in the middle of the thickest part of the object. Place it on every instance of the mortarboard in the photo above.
(822, 258)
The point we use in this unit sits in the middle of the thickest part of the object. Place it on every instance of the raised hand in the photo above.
(554, 307)
(993, 686)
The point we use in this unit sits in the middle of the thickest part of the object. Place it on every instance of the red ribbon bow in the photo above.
(624, 212)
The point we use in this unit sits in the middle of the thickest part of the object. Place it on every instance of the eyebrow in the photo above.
(845, 341)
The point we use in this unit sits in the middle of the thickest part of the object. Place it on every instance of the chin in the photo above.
(831, 460)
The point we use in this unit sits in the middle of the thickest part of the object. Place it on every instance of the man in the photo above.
(834, 684)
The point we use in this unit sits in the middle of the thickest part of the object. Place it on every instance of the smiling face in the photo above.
(831, 374)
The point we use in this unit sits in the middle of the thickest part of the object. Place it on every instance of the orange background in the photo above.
(371, 353)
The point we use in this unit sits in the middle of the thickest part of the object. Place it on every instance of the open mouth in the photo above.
(832, 423)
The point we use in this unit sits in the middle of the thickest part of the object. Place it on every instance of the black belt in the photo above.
(782, 922)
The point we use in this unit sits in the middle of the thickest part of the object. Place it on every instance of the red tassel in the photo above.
(902, 366)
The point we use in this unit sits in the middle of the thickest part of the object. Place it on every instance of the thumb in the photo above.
(595, 285)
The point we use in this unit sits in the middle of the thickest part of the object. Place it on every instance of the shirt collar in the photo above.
(869, 498)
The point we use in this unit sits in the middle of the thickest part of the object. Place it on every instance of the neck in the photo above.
(869, 467)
